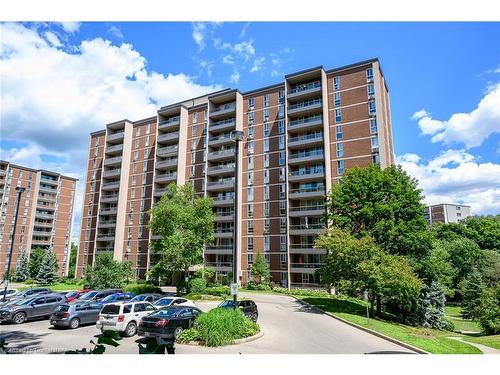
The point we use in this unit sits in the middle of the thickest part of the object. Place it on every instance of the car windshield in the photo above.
(164, 301)
(26, 301)
(62, 308)
(165, 313)
(227, 304)
(88, 295)
(110, 298)
(138, 298)
(71, 294)
(111, 309)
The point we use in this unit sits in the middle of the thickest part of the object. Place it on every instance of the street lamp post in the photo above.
(19, 190)
(236, 136)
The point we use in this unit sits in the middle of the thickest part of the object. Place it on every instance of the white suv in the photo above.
(123, 316)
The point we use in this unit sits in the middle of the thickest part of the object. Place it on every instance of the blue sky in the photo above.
(62, 81)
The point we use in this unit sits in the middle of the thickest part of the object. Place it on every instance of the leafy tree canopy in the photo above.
(260, 269)
(107, 272)
(36, 257)
(47, 273)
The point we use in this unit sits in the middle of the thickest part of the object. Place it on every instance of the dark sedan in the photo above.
(168, 323)
(248, 307)
(97, 295)
(35, 307)
(74, 314)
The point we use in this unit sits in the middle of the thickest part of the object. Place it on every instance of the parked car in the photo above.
(74, 314)
(123, 317)
(30, 292)
(38, 306)
(97, 295)
(172, 301)
(147, 297)
(248, 307)
(74, 295)
(9, 293)
(169, 322)
(116, 297)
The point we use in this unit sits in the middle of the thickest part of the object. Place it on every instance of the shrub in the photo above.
(489, 315)
(142, 288)
(252, 285)
(219, 291)
(222, 326)
(302, 292)
(251, 328)
(197, 285)
(191, 334)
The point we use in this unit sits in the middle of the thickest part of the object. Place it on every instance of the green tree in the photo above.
(485, 231)
(184, 223)
(489, 314)
(72, 260)
(490, 269)
(385, 204)
(473, 291)
(22, 271)
(430, 310)
(436, 267)
(107, 273)
(260, 269)
(465, 256)
(207, 273)
(47, 274)
(36, 257)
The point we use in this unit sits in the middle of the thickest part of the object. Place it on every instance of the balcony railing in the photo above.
(171, 120)
(305, 120)
(306, 172)
(305, 154)
(167, 150)
(304, 104)
(222, 168)
(223, 137)
(219, 264)
(315, 189)
(305, 87)
(222, 124)
(306, 265)
(306, 137)
(307, 208)
(168, 136)
(224, 107)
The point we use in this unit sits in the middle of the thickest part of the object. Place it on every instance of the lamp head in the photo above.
(20, 189)
(237, 135)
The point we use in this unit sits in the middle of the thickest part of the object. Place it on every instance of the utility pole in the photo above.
(19, 190)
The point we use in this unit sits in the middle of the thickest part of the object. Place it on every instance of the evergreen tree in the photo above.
(260, 269)
(36, 257)
(22, 271)
(430, 313)
(48, 269)
(473, 291)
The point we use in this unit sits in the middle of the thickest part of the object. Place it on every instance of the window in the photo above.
(281, 111)
(266, 145)
(336, 99)
(338, 115)
(136, 155)
(338, 132)
(371, 89)
(266, 160)
(373, 126)
(251, 103)
(250, 259)
(266, 100)
(266, 192)
(266, 114)
(336, 83)
(340, 167)
(281, 142)
(281, 96)
(266, 129)
(266, 208)
(267, 225)
(193, 157)
(250, 147)
(250, 131)
(250, 225)
(371, 107)
(369, 73)
(250, 194)
(282, 225)
(194, 131)
(250, 243)
(281, 158)
(148, 129)
(282, 207)
(340, 150)
(136, 145)
(282, 190)
(282, 243)
(374, 141)
(133, 180)
(266, 176)
(250, 178)
(281, 126)
(251, 117)
(376, 159)
(195, 118)
(250, 162)
(147, 141)
(267, 244)
(250, 210)
(144, 179)
(191, 170)
(282, 258)
(282, 173)
(146, 151)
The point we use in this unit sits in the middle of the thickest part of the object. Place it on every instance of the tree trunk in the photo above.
(372, 307)
(379, 306)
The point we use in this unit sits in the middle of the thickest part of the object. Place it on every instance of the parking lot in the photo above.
(288, 326)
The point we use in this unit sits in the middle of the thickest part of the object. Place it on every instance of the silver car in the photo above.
(35, 307)
(73, 314)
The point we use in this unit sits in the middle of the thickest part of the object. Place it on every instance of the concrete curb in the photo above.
(375, 333)
(235, 342)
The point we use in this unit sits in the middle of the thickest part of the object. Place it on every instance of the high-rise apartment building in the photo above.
(45, 218)
(446, 213)
(300, 137)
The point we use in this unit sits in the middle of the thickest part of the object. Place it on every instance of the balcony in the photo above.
(220, 140)
(169, 124)
(42, 233)
(110, 186)
(223, 110)
(301, 211)
(165, 177)
(223, 202)
(305, 90)
(46, 189)
(305, 108)
(305, 267)
(223, 125)
(306, 249)
(3, 172)
(303, 229)
(108, 211)
(166, 164)
(48, 207)
(42, 225)
(44, 215)
(222, 249)
(105, 237)
(109, 198)
(306, 140)
(47, 198)
(159, 192)
(221, 170)
(305, 175)
(302, 193)
(49, 181)
(302, 157)
(112, 173)
(114, 150)
(223, 233)
(224, 216)
(117, 160)
(220, 266)
(115, 137)
(220, 185)
(221, 155)
(168, 137)
(41, 242)
(107, 223)
(167, 151)
(306, 123)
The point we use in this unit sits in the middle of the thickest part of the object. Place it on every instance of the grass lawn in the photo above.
(430, 340)
(58, 287)
(492, 341)
(453, 314)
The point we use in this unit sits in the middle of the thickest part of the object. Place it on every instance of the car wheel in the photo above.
(131, 329)
(74, 323)
(178, 331)
(19, 318)
(254, 317)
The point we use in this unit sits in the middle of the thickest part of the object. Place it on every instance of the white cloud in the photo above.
(53, 39)
(471, 128)
(199, 29)
(228, 59)
(257, 64)
(52, 99)
(70, 27)
(456, 176)
(244, 30)
(116, 32)
(235, 77)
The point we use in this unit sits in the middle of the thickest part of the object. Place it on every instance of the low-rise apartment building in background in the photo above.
(446, 213)
(45, 217)
(301, 135)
